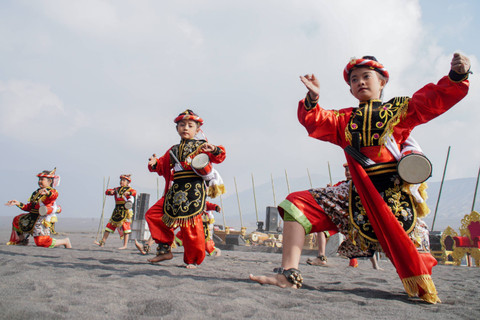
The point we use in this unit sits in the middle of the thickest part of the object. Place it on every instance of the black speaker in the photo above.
(434, 238)
(260, 226)
(235, 239)
(143, 200)
(272, 219)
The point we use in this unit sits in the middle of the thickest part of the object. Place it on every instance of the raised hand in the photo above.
(12, 203)
(208, 147)
(312, 84)
(152, 160)
(460, 63)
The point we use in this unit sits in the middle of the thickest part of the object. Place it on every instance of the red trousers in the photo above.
(40, 241)
(193, 236)
(304, 202)
(209, 244)
(124, 229)
(43, 241)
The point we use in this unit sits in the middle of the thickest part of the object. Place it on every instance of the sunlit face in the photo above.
(44, 182)
(365, 84)
(187, 129)
(123, 182)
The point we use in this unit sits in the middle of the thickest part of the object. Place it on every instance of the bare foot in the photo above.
(99, 243)
(277, 280)
(316, 262)
(139, 247)
(191, 266)
(162, 257)
(68, 245)
(218, 253)
(122, 248)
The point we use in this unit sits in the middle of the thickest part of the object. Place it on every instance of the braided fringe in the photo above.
(178, 222)
(425, 282)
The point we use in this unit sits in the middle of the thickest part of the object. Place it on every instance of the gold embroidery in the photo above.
(375, 121)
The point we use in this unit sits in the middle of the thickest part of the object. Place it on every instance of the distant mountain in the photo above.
(456, 201)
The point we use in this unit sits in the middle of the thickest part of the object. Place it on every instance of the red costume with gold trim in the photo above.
(374, 122)
(121, 216)
(33, 222)
(183, 201)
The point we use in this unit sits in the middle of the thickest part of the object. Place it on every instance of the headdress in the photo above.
(188, 115)
(127, 177)
(367, 61)
(50, 175)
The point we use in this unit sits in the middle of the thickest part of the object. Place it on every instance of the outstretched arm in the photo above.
(434, 99)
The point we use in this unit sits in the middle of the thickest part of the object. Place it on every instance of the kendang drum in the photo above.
(44, 210)
(414, 167)
(201, 164)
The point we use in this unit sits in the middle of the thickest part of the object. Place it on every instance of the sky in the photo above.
(92, 87)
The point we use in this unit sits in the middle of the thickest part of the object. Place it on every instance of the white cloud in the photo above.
(126, 69)
(31, 112)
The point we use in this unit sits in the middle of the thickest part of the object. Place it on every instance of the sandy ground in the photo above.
(89, 282)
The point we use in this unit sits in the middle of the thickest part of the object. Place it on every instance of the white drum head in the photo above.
(200, 161)
(43, 210)
(414, 168)
(128, 205)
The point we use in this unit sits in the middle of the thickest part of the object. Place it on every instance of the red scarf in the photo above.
(414, 268)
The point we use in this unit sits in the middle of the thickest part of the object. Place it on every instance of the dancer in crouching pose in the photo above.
(37, 222)
(377, 211)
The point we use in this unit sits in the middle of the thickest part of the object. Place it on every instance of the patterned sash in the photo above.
(386, 180)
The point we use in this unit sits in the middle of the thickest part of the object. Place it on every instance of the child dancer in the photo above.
(123, 213)
(369, 220)
(36, 222)
(183, 201)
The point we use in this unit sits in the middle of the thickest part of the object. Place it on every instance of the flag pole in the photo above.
(309, 179)
(440, 191)
(223, 214)
(238, 201)
(476, 187)
(330, 173)
(286, 178)
(255, 198)
(273, 189)
(100, 225)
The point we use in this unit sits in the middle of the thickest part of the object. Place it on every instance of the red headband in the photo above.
(188, 115)
(127, 177)
(51, 174)
(372, 64)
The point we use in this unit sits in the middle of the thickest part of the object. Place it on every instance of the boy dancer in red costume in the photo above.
(381, 212)
(122, 214)
(36, 222)
(183, 201)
